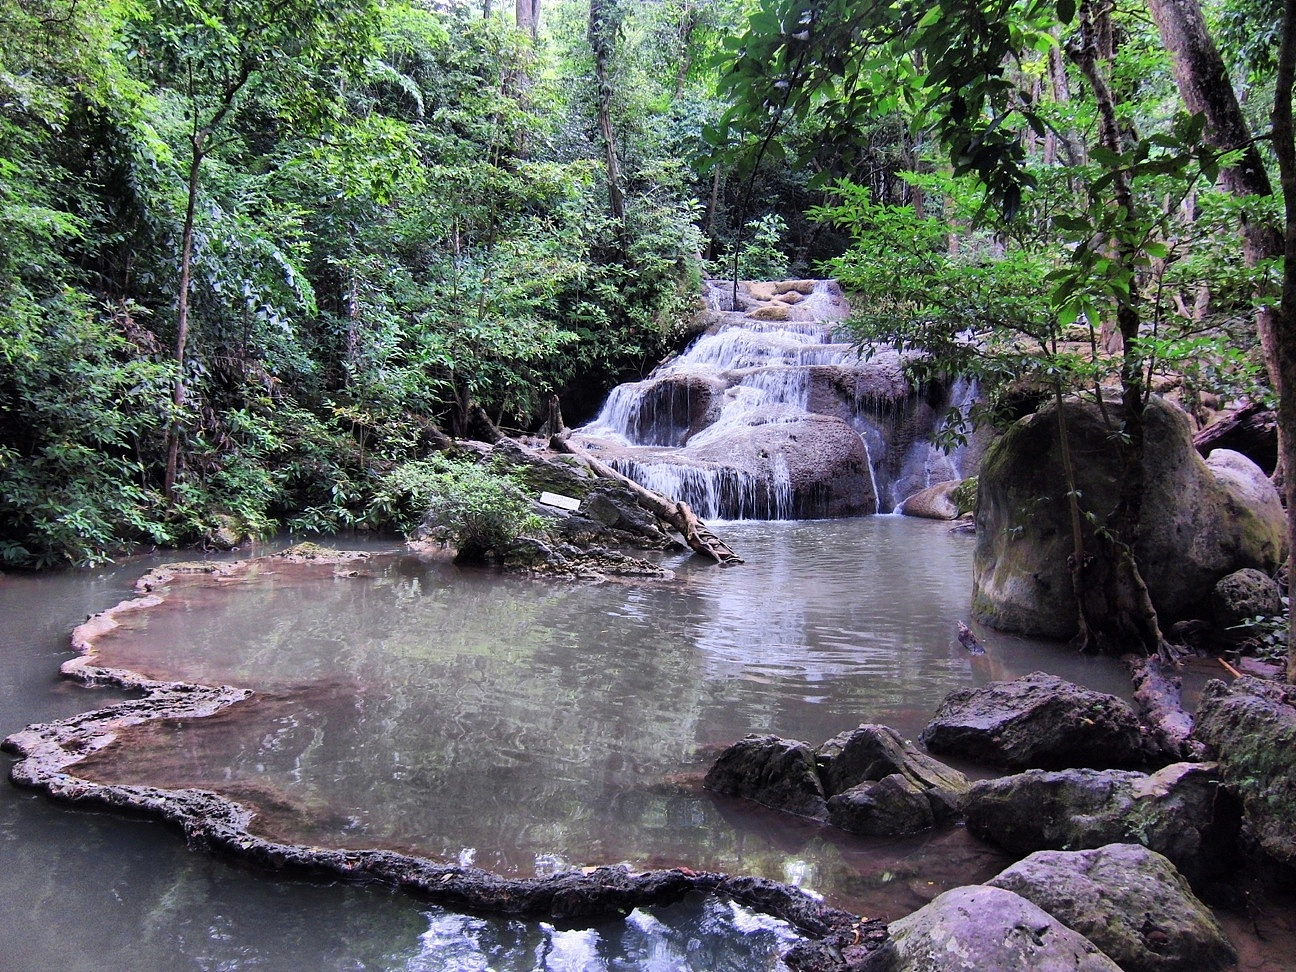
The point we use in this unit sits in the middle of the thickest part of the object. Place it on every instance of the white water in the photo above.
(712, 426)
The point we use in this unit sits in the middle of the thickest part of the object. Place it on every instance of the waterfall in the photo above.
(769, 414)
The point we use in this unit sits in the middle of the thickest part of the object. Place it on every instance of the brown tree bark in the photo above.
(602, 38)
(527, 15)
(1284, 144)
(1204, 87)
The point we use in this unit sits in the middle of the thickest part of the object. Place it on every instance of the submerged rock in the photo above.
(984, 928)
(890, 806)
(1180, 811)
(1038, 720)
(871, 753)
(780, 773)
(1127, 900)
(1201, 519)
(1251, 726)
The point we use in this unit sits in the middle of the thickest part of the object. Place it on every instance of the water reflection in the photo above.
(546, 725)
(608, 699)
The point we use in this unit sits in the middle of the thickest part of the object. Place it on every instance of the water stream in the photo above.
(773, 414)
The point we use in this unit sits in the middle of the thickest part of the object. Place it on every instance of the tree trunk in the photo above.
(1114, 601)
(1284, 143)
(602, 38)
(527, 14)
(179, 391)
(1204, 87)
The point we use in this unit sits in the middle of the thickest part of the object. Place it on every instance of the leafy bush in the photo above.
(478, 510)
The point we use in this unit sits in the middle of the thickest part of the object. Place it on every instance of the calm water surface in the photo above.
(519, 724)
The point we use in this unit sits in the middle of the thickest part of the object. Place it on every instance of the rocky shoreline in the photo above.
(1114, 861)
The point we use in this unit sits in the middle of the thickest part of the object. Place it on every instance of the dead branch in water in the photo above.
(678, 514)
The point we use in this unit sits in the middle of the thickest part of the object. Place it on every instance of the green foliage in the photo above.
(761, 256)
(1265, 636)
(480, 511)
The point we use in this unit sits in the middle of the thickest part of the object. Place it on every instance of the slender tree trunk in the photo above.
(179, 390)
(1114, 600)
(603, 16)
(1284, 142)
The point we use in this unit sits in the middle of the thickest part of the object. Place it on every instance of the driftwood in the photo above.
(677, 514)
(1157, 696)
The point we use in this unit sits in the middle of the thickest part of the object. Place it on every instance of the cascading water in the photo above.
(769, 415)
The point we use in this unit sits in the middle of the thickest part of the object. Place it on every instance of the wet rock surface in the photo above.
(779, 773)
(1038, 721)
(891, 805)
(979, 927)
(933, 503)
(866, 780)
(871, 753)
(1251, 727)
(1180, 811)
(1127, 900)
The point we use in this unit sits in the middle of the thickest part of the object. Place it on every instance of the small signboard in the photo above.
(568, 503)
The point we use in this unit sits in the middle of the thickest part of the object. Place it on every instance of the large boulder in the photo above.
(1251, 727)
(871, 753)
(1180, 811)
(1127, 900)
(1038, 720)
(1201, 519)
(814, 465)
(780, 773)
(984, 928)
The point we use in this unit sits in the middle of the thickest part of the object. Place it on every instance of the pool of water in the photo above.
(524, 725)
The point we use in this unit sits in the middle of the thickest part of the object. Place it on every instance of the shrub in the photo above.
(479, 510)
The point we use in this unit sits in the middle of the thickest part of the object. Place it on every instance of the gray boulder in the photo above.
(780, 773)
(870, 753)
(1180, 811)
(889, 806)
(1127, 900)
(820, 458)
(1201, 519)
(1243, 595)
(933, 503)
(984, 928)
(1038, 720)
(1251, 727)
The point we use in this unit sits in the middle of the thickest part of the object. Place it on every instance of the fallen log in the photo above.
(678, 514)
(1158, 699)
(1251, 430)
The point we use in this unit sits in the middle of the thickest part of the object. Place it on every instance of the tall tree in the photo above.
(527, 15)
(604, 28)
(286, 55)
